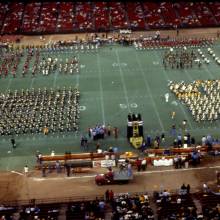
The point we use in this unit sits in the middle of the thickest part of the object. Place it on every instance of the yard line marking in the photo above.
(55, 79)
(9, 160)
(77, 76)
(149, 92)
(21, 174)
(123, 82)
(188, 75)
(9, 84)
(118, 97)
(32, 81)
(101, 88)
(209, 72)
(181, 107)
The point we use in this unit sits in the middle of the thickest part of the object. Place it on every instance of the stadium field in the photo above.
(114, 81)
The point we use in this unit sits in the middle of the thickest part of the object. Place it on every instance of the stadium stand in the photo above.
(142, 205)
(132, 207)
(101, 16)
(66, 17)
(48, 17)
(84, 17)
(13, 18)
(175, 206)
(214, 8)
(210, 204)
(30, 21)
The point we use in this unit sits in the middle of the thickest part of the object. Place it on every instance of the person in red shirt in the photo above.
(138, 163)
(111, 196)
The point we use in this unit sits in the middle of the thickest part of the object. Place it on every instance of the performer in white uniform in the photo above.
(167, 97)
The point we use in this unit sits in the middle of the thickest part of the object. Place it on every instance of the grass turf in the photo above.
(113, 82)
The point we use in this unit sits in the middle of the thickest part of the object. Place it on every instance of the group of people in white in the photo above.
(49, 65)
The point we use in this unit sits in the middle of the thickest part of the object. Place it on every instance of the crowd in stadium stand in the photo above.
(132, 207)
(51, 17)
(125, 206)
(175, 206)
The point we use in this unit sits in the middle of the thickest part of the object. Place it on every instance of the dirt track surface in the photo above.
(16, 186)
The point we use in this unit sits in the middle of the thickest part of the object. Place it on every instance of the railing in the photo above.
(51, 200)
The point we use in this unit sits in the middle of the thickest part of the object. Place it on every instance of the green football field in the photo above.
(113, 82)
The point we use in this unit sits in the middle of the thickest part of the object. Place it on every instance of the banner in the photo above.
(125, 31)
(103, 163)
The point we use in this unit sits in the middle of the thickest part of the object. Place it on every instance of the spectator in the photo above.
(188, 189)
(183, 187)
(111, 195)
(39, 157)
(116, 132)
(44, 171)
(13, 143)
(110, 150)
(175, 161)
(203, 140)
(205, 188)
(173, 131)
(101, 206)
(129, 169)
(107, 195)
(26, 170)
(148, 142)
(143, 164)
(193, 141)
(58, 166)
(52, 153)
(163, 138)
(143, 146)
(138, 163)
(109, 129)
(67, 169)
(178, 201)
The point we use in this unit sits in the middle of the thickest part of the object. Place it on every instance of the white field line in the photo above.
(149, 92)
(123, 82)
(101, 89)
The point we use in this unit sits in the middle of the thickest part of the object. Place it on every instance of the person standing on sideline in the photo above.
(138, 164)
(173, 114)
(26, 170)
(173, 130)
(107, 195)
(167, 97)
(44, 171)
(109, 130)
(111, 196)
(13, 143)
(129, 169)
(144, 164)
(67, 170)
(116, 132)
(143, 146)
